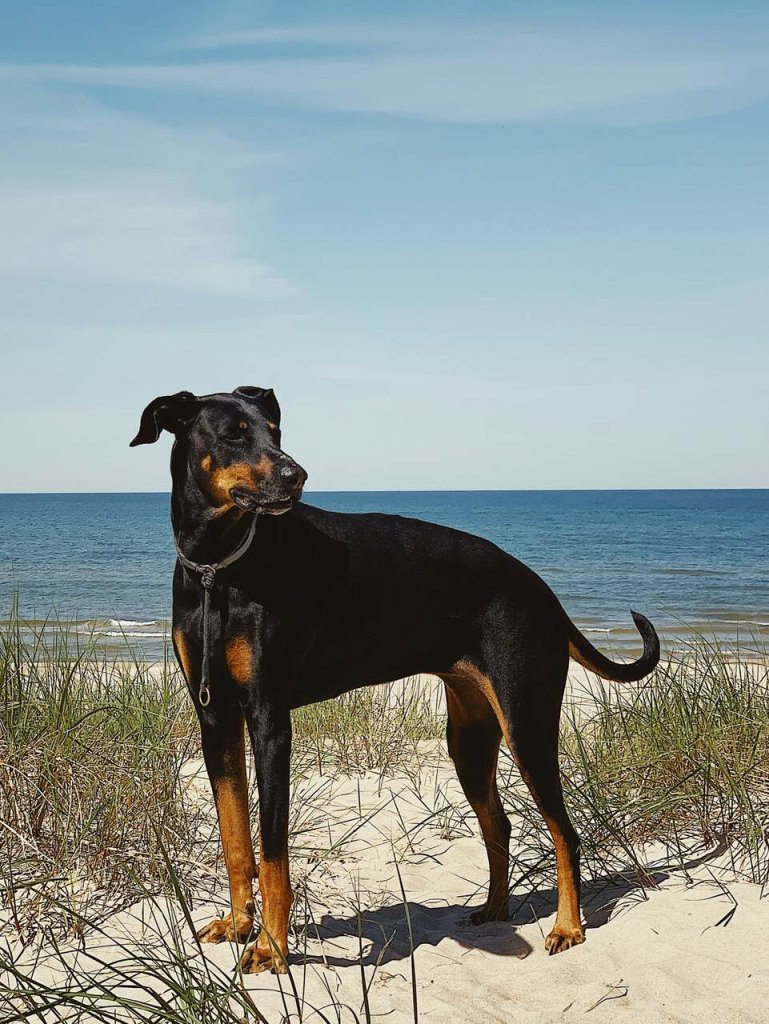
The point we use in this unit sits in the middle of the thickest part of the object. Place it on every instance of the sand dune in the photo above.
(691, 949)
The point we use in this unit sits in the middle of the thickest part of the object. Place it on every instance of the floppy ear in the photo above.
(169, 412)
(265, 397)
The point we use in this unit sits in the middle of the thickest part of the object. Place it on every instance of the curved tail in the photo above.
(581, 650)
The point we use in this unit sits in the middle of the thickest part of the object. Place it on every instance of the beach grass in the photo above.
(379, 728)
(97, 812)
(91, 759)
(680, 760)
(660, 775)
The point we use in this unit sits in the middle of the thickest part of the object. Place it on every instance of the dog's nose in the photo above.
(292, 476)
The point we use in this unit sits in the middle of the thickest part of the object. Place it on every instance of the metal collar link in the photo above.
(207, 575)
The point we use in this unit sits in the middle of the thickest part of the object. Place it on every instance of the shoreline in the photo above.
(154, 647)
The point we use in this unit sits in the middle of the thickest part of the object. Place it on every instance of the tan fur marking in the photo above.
(277, 897)
(240, 659)
(231, 798)
(240, 474)
(183, 653)
(205, 463)
(568, 924)
(465, 671)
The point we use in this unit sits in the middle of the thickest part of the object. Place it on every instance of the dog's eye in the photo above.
(236, 431)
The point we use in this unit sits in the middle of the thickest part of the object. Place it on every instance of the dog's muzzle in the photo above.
(251, 503)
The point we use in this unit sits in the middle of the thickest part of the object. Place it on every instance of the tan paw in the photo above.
(561, 938)
(256, 959)
(223, 929)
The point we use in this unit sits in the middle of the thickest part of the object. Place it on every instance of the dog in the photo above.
(277, 605)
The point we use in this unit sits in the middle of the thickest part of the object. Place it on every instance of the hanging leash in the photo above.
(207, 575)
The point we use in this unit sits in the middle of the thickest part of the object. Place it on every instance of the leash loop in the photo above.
(207, 575)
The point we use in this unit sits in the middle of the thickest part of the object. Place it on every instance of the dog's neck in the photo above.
(205, 533)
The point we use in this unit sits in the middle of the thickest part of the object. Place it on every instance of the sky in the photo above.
(470, 245)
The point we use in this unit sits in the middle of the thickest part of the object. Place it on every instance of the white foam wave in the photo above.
(122, 633)
(740, 622)
(132, 622)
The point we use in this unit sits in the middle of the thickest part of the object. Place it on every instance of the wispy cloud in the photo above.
(313, 35)
(93, 195)
(479, 76)
(129, 234)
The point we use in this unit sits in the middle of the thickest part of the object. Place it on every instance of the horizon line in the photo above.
(423, 490)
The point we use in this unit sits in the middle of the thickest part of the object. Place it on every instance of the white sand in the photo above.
(654, 959)
(651, 957)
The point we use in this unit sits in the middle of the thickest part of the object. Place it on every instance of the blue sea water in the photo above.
(691, 560)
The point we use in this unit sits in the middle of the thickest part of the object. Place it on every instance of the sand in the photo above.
(651, 957)
(692, 949)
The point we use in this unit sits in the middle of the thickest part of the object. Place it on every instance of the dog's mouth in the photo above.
(250, 503)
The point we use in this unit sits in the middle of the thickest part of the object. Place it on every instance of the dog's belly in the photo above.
(326, 685)
(378, 656)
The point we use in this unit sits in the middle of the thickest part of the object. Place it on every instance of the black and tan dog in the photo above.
(306, 604)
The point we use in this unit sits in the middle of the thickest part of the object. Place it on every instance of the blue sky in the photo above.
(481, 245)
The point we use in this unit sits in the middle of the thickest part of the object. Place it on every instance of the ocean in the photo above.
(694, 561)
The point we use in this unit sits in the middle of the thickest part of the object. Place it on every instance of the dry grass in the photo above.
(682, 761)
(660, 774)
(91, 754)
(378, 729)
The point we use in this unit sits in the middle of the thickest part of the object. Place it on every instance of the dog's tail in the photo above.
(588, 656)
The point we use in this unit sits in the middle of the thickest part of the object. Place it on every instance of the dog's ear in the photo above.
(265, 397)
(169, 412)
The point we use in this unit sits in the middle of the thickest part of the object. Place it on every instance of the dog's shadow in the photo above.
(383, 935)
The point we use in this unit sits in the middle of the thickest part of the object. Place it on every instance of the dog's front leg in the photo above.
(270, 730)
(223, 741)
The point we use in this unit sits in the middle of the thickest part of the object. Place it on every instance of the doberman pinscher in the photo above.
(277, 605)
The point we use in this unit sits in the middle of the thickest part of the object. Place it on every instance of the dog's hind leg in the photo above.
(524, 687)
(540, 771)
(473, 736)
(532, 698)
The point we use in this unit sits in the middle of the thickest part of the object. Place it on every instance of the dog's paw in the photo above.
(561, 938)
(256, 959)
(225, 929)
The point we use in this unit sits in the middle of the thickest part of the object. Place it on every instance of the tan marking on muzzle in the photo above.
(240, 474)
(240, 659)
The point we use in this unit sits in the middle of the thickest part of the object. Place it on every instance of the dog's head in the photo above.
(229, 446)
